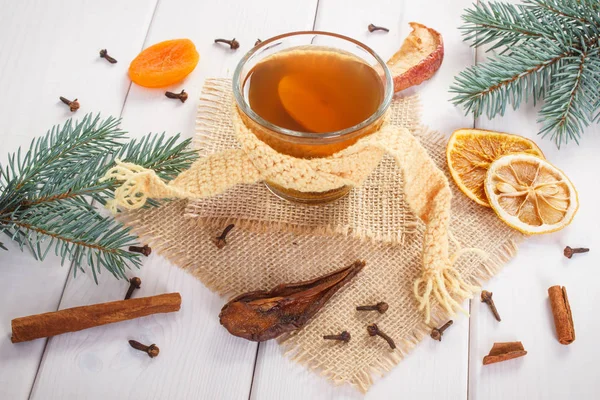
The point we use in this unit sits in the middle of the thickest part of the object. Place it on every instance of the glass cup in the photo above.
(309, 144)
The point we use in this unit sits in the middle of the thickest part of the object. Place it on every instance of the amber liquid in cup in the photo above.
(314, 90)
(317, 90)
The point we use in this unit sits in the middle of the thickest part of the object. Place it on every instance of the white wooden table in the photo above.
(50, 49)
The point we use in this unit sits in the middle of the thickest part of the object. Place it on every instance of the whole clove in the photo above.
(145, 249)
(134, 283)
(73, 105)
(343, 337)
(381, 307)
(373, 330)
(220, 241)
(264, 315)
(373, 28)
(486, 297)
(436, 333)
(183, 96)
(104, 54)
(569, 251)
(151, 350)
(233, 44)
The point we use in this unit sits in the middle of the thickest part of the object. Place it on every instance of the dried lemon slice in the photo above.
(530, 194)
(471, 151)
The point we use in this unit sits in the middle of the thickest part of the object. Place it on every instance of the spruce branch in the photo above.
(76, 232)
(508, 79)
(47, 193)
(501, 24)
(164, 155)
(547, 50)
(574, 91)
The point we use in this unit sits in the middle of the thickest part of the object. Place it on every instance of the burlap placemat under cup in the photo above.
(373, 210)
(254, 260)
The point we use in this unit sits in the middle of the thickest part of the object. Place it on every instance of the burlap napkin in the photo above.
(374, 210)
(277, 243)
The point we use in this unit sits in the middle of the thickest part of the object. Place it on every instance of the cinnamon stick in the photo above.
(504, 351)
(563, 319)
(78, 318)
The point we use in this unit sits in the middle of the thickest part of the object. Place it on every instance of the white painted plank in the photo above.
(432, 370)
(148, 110)
(550, 370)
(49, 50)
(198, 359)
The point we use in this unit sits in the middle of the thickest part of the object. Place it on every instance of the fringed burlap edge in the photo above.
(363, 379)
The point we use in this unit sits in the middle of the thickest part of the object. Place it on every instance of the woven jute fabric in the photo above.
(375, 210)
(260, 258)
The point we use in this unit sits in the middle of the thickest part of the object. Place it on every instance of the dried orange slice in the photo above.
(530, 194)
(471, 151)
(164, 63)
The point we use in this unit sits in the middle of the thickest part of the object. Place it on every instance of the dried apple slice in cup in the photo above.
(418, 59)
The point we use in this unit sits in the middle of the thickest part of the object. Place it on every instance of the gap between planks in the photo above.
(71, 266)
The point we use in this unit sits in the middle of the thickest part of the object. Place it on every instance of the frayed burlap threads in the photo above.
(372, 211)
(425, 187)
(254, 259)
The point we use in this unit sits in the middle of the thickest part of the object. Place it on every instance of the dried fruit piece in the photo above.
(418, 59)
(471, 151)
(264, 315)
(530, 194)
(309, 103)
(164, 63)
(504, 351)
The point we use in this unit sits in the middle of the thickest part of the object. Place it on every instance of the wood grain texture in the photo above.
(550, 370)
(49, 50)
(198, 358)
(433, 369)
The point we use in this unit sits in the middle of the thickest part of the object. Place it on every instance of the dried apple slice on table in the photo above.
(418, 59)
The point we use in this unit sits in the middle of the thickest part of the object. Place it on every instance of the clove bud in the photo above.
(183, 96)
(373, 330)
(436, 333)
(568, 252)
(104, 54)
(344, 337)
(73, 105)
(373, 28)
(134, 283)
(151, 350)
(486, 297)
(145, 250)
(220, 241)
(381, 307)
(233, 44)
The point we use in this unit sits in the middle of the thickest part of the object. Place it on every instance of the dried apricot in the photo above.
(164, 63)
